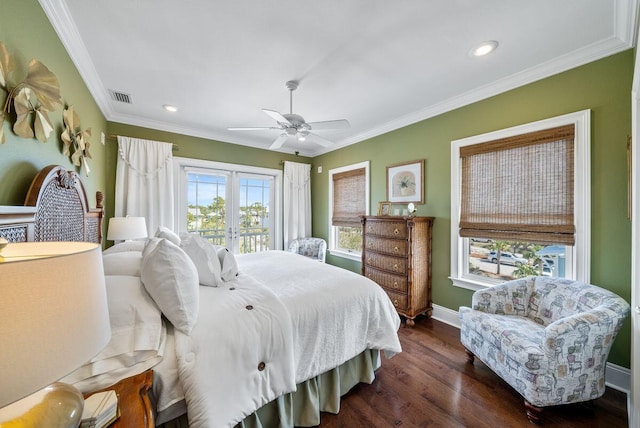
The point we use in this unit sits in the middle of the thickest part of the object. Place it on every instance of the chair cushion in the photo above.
(505, 342)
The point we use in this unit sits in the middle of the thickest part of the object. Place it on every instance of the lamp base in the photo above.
(57, 405)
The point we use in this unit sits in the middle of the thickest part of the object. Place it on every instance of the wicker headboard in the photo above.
(55, 209)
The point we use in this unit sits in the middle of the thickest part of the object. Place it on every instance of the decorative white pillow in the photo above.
(125, 263)
(228, 264)
(204, 256)
(137, 333)
(166, 233)
(126, 246)
(171, 279)
(150, 246)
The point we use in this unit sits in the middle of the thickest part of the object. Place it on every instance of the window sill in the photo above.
(357, 257)
(471, 284)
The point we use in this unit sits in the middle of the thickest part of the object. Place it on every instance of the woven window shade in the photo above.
(520, 188)
(349, 198)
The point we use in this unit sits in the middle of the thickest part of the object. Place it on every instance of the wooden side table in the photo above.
(133, 401)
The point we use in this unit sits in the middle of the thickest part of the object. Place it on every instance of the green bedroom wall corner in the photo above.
(27, 33)
(603, 86)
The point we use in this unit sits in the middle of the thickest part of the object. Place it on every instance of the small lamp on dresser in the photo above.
(53, 319)
(126, 228)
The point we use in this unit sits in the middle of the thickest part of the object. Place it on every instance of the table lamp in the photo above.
(53, 319)
(126, 228)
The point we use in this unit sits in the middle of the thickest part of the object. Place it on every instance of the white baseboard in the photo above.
(617, 377)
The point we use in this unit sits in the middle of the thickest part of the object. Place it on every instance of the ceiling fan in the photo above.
(294, 125)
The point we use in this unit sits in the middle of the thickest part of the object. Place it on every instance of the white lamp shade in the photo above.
(53, 313)
(125, 228)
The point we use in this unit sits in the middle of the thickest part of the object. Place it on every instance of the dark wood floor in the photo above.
(430, 384)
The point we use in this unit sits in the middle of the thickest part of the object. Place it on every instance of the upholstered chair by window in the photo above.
(314, 248)
(549, 338)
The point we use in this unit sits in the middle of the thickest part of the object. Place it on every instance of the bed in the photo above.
(264, 339)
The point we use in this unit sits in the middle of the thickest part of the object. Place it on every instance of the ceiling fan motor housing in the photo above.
(296, 121)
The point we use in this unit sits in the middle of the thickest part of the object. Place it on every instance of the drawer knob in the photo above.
(395, 266)
(395, 302)
(395, 284)
(369, 260)
(396, 249)
(396, 231)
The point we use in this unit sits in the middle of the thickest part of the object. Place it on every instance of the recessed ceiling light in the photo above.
(484, 48)
(170, 108)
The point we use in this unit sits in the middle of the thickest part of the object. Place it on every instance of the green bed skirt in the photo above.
(320, 394)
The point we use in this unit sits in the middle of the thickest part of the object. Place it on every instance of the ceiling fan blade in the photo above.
(279, 141)
(320, 140)
(330, 124)
(249, 128)
(277, 116)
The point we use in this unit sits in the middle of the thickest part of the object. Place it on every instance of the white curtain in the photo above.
(297, 201)
(144, 182)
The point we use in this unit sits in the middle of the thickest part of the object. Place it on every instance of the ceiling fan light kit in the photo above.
(294, 125)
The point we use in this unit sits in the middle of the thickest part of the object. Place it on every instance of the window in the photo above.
(348, 200)
(520, 203)
(236, 206)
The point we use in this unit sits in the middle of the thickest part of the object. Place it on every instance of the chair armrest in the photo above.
(322, 251)
(584, 331)
(508, 298)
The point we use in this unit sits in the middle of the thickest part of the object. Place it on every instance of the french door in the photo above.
(230, 205)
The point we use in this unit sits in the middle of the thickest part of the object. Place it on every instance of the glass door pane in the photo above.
(206, 212)
(254, 220)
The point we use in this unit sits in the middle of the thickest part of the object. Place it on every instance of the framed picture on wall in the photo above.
(405, 182)
(384, 208)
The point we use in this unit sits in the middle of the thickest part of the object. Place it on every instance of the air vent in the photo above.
(121, 97)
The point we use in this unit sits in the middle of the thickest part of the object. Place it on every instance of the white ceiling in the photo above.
(379, 64)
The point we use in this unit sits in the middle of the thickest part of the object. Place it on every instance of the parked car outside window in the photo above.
(506, 258)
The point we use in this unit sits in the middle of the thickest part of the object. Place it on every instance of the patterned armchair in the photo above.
(315, 248)
(549, 338)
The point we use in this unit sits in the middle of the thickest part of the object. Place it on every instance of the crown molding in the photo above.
(623, 37)
(60, 18)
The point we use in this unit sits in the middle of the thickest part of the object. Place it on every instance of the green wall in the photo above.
(27, 33)
(603, 86)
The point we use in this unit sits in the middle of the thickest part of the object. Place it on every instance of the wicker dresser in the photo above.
(397, 255)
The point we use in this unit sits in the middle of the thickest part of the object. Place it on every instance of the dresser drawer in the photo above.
(392, 229)
(399, 300)
(396, 247)
(387, 280)
(397, 265)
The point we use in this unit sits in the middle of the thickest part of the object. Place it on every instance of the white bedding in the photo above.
(283, 320)
(333, 315)
(336, 313)
(220, 363)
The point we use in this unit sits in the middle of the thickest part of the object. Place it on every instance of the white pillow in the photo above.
(166, 233)
(137, 332)
(151, 245)
(171, 279)
(126, 263)
(204, 256)
(228, 264)
(126, 246)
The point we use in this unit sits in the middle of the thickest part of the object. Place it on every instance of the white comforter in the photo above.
(239, 355)
(287, 319)
(336, 313)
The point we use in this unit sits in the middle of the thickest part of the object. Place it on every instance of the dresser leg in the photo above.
(410, 322)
